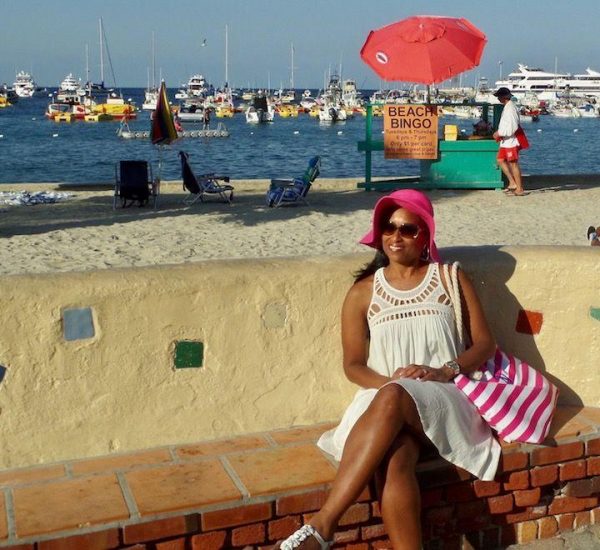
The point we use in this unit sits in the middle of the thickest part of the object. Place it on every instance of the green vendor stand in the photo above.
(461, 164)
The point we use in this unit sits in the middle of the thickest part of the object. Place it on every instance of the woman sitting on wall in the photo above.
(400, 310)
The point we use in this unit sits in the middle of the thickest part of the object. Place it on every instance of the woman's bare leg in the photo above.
(390, 412)
(512, 184)
(399, 494)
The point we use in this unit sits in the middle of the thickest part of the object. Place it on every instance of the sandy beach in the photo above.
(84, 232)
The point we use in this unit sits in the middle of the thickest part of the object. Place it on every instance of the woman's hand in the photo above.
(421, 372)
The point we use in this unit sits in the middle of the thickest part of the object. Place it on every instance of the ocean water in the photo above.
(34, 149)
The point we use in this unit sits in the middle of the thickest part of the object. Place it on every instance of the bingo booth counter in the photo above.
(447, 161)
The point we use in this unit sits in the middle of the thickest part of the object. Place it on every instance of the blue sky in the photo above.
(49, 37)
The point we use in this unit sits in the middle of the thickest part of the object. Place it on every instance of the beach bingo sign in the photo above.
(410, 131)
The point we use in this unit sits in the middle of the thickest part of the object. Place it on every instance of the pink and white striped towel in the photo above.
(514, 399)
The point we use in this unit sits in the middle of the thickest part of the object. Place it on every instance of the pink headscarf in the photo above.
(415, 202)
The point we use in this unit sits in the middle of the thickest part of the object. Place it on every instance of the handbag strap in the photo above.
(451, 276)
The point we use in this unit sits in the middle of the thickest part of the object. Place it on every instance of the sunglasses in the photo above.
(406, 230)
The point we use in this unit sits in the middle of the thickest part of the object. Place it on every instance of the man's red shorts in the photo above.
(510, 154)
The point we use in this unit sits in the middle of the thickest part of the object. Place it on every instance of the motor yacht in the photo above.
(331, 106)
(260, 111)
(197, 86)
(24, 85)
(528, 79)
(70, 84)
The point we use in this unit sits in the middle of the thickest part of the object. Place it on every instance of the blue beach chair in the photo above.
(293, 190)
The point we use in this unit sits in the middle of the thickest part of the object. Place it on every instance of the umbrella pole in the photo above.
(427, 94)
(159, 162)
(158, 179)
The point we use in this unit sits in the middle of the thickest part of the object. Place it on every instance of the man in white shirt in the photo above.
(508, 153)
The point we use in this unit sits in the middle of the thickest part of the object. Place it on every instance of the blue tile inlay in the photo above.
(78, 323)
(2, 372)
(595, 313)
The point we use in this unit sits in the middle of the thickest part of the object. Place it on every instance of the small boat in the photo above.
(331, 105)
(284, 96)
(307, 102)
(565, 111)
(74, 107)
(350, 96)
(191, 110)
(331, 112)
(588, 110)
(116, 107)
(150, 99)
(288, 110)
(260, 111)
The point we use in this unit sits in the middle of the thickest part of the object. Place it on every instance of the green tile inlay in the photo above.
(188, 354)
(595, 313)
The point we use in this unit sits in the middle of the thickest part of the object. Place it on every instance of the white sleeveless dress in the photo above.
(418, 326)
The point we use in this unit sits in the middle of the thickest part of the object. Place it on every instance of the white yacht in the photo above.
(24, 85)
(331, 107)
(196, 87)
(527, 79)
(70, 84)
(261, 110)
(150, 99)
(350, 96)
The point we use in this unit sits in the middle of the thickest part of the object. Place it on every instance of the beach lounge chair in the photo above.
(293, 190)
(204, 184)
(134, 183)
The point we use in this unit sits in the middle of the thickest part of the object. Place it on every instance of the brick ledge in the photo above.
(259, 487)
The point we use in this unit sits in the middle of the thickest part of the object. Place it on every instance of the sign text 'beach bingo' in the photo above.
(411, 131)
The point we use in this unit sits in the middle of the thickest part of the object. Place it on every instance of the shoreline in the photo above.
(84, 233)
(530, 181)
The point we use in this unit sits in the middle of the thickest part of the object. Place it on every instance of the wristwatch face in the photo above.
(454, 366)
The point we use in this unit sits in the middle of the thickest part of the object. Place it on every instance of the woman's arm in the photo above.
(355, 336)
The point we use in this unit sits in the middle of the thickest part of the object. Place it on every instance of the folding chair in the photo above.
(134, 183)
(204, 184)
(294, 189)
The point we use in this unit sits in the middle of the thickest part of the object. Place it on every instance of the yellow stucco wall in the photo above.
(272, 356)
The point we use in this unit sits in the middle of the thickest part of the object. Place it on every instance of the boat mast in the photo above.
(101, 53)
(153, 65)
(87, 69)
(292, 73)
(226, 58)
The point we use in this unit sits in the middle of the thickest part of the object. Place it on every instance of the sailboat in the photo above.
(223, 98)
(114, 105)
(287, 96)
(151, 93)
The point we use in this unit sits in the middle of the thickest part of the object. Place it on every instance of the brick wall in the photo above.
(539, 491)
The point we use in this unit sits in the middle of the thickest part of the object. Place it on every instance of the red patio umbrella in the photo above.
(424, 49)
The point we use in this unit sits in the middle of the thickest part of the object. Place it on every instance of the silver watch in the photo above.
(454, 366)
